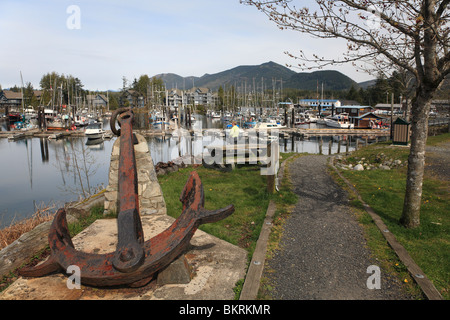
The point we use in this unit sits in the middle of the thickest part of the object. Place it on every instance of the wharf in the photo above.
(340, 132)
(35, 133)
(17, 135)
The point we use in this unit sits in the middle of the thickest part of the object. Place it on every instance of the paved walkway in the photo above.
(323, 252)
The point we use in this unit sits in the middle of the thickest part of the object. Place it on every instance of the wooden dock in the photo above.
(16, 136)
(339, 132)
(283, 132)
(35, 133)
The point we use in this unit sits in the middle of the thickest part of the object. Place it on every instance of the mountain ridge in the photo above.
(266, 75)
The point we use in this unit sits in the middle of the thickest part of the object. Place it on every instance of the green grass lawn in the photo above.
(383, 190)
(243, 187)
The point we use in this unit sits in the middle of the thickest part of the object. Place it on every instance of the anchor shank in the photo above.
(129, 253)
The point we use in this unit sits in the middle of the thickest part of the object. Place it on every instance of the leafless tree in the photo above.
(410, 34)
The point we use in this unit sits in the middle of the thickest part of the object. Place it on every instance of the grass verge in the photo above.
(383, 190)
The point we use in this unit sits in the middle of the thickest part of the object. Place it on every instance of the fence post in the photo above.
(270, 177)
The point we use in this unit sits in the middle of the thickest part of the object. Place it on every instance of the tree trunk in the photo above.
(416, 161)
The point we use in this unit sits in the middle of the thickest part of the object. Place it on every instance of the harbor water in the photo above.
(40, 172)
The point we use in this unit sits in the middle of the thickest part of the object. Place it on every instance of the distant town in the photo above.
(265, 86)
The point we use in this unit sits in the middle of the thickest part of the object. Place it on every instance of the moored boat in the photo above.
(55, 125)
(94, 131)
(270, 124)
(341, 121)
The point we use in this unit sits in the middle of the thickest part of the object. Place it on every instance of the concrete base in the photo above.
(216, 265)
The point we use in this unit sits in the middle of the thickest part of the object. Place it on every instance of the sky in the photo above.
(102, 41)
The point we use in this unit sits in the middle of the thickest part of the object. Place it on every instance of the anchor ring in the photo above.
(116, 116)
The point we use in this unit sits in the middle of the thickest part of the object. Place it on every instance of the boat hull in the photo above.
(335, 124)
(94, 136)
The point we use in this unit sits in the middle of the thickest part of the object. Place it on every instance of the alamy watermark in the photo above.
(74, 281)
(374, 280)
(73, 22)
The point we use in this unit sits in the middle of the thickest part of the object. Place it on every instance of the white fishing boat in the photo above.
(81, 121)
(270, 124)
(301, 118)
(159, 122)
(56, 125)
(215, 115)
(312, 118)
(94, 131)
(341, 121)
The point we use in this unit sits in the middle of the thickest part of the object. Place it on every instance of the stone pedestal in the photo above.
(178, 272)
(151, 200)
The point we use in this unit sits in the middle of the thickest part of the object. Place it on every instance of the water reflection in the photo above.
(40, 171)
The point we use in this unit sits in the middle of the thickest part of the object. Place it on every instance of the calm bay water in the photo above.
(38, 172)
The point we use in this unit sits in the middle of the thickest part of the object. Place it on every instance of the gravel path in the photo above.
(437, 161)
(323, 254)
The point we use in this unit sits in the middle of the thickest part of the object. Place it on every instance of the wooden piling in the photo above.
(347, 144)
(320, 145)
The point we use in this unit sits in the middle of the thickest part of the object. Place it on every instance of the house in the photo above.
(199, 96)
(132, 98)
(97, 100)
(38, 94)
(368, 120)
(355, 114)
(11, 99)
(350, 103)
(324, 103)
(175, 98)
(385, 108)
(320, 104)
(354, 111)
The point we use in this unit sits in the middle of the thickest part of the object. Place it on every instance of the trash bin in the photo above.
(401, 132)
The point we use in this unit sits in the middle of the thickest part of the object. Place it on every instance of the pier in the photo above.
(342, 132)
(35, 133)
(285, 132)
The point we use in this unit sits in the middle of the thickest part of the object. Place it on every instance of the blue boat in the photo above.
(249, 124)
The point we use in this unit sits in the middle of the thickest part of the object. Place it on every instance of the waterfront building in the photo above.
(175, 98)
(199, 96)
(97, 100)
(133, 97)
(354, 111)
(385, 108)
(11, 99)
(324, 103)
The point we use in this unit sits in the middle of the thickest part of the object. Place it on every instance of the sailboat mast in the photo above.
(23, 105)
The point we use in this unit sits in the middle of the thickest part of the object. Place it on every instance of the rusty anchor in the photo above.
(135, 261)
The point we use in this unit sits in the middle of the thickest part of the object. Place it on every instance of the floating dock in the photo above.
(283, 132)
